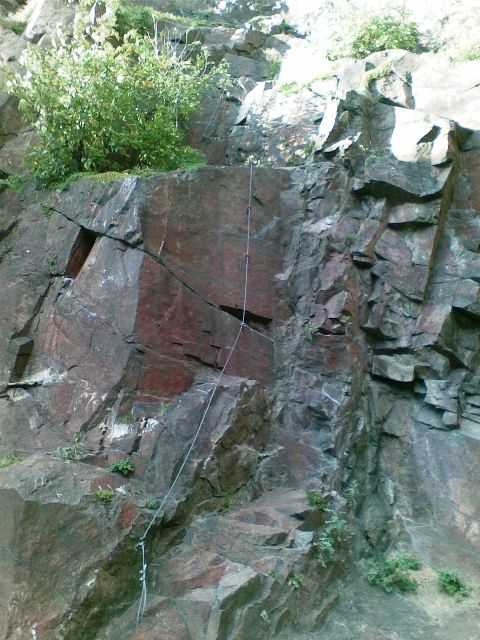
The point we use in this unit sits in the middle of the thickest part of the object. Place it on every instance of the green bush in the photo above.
(67, 453)
(104, 495)
(317, 500)
(125, 467)
(97, 105)
(393, 31)
(393, 574)
(334, 532)
(17, 26)
(152, 504)
(375, 33)
(451, 583)
(9, 460)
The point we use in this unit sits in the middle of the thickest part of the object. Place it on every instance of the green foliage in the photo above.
(325, 546)
(391, 31)
(309, 148)
(9, 460)
(104, 495)
(382, 71)
(375, 33)
(451, 583)
(152, 504)
(126, 418)
(17, 26)
(227, 501)
(274, 59)
(104, 103)
(66, 453)
(294, 580)
(325, 541)
(336, 526)
(125, 467)
(469, 53)
(393, 574)
(14, 181)
(352, 490)
(290, 88)
(310, 331)
(317, 500)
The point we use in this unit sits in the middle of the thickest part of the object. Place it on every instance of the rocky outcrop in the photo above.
(347, 421)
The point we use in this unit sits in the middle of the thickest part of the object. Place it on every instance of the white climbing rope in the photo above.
(143, 571)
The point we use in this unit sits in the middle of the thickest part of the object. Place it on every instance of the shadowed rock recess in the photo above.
(348, 421)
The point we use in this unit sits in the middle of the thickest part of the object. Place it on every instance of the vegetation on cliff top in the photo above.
(111, 101)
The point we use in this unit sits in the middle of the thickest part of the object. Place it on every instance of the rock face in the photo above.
(347, 420)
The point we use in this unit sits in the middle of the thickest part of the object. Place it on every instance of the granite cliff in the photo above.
(355, 378)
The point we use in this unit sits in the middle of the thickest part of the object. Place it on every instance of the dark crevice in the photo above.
(192, 358)
(23, 356)
(81, 250)
(256, 322)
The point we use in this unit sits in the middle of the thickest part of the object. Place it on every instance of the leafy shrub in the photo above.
(317, 500)
(104, 495)
(376, 33)
(17, 26)
(393, 574)
(334, 532)
(67, 453)
(126, 418)
(451, 583)
(227, 501)
(98, 105)
(294, 580)
(325, 546)
(9, 460)
(125, 467)
(352, 490)
(151, 503)
(274, 59)
(385, 32)
(310, 331)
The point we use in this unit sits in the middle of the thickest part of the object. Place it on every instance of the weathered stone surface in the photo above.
(55, 537)
(384, 175)
(356, 374)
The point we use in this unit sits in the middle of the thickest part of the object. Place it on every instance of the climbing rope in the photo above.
(142, 543)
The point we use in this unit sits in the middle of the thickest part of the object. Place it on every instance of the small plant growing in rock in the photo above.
(105, 496)
(14, 181)
(336, 526)
(335, 531)
(152, 504)
(227, 501)
(393, 574)
(325, 547)
(274, 59)
(9, 460)
(317, 500)
(125, 418)
(290, 88)
(451, 583)
(351, 493)
(310, 331)
(17, 26)
(125, 467)
(66, 453)
(294, 580)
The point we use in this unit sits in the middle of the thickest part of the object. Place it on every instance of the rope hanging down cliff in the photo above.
(142, 542)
